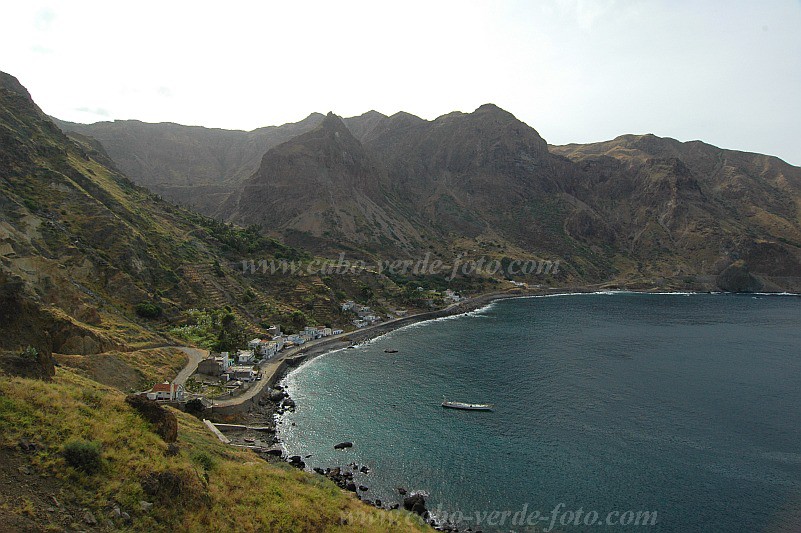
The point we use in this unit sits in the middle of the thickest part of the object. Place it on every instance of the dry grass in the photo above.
(207, 486)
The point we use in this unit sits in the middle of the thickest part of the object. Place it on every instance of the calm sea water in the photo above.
(687, 405)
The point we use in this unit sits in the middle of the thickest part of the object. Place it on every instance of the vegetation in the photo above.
(148, 310)
(83, 455)
(217, 329)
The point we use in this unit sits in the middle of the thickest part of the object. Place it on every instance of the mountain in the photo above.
(638, 210)
(322, 184)
(190, 165)
(684, 209)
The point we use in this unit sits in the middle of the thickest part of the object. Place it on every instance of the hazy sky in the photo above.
(728, 73)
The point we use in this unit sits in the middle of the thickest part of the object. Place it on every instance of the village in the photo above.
(225, 376)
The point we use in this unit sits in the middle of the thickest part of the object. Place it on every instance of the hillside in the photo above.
(194, 484)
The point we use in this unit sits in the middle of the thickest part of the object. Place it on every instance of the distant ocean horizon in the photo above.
(610, 408)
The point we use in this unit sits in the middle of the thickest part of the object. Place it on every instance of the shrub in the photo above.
(83, 455)
(148, 310)
(203, 460)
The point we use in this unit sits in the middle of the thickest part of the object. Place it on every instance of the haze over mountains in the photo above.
(639, 208)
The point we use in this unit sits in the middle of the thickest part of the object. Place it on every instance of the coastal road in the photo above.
(269, 369)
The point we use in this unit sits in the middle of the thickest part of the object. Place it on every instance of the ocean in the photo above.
(613, 411)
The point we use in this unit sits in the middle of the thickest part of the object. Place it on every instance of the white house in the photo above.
(336, 332)
(280, 341)
(296, 339)
(167, 392)
(244, 357)
(347, 306)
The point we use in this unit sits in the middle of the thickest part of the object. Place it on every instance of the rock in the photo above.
(145, 506)
(402, 491)
(363, 488)
(394, 506)
(319, 470)
(297, 462)
(165, 421)
(125, 516)
(415, 503)
(276, 452)
(24, 470)
(378, 503)
(364, 470)
(115, 513)
(351, 486)
(343, 445)
(55, 501)
(277, 395)
(289, 402)
(89, 518)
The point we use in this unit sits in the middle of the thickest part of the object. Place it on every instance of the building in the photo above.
(347, 306)
(166, 392)
(274, 331)
(280, 341)
(245, 357)
(336, 332)
(296, 339)
(241, 373)
(215, 365)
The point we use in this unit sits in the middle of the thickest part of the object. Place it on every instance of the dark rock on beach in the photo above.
(415, 503)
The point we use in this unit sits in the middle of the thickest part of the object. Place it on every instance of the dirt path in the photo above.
(195, 355)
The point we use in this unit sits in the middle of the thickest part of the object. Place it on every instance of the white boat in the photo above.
(467, 406)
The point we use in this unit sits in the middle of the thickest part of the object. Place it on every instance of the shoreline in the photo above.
(459, 308)
(338, 474)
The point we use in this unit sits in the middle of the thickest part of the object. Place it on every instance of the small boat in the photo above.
(249, 440)
(390, 350)
(467, 406)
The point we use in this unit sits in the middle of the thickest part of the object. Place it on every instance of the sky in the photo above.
(728, 73)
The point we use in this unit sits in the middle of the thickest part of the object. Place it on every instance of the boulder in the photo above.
(165, 422)
(343, 445)
(277, 395)
(415, 503)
